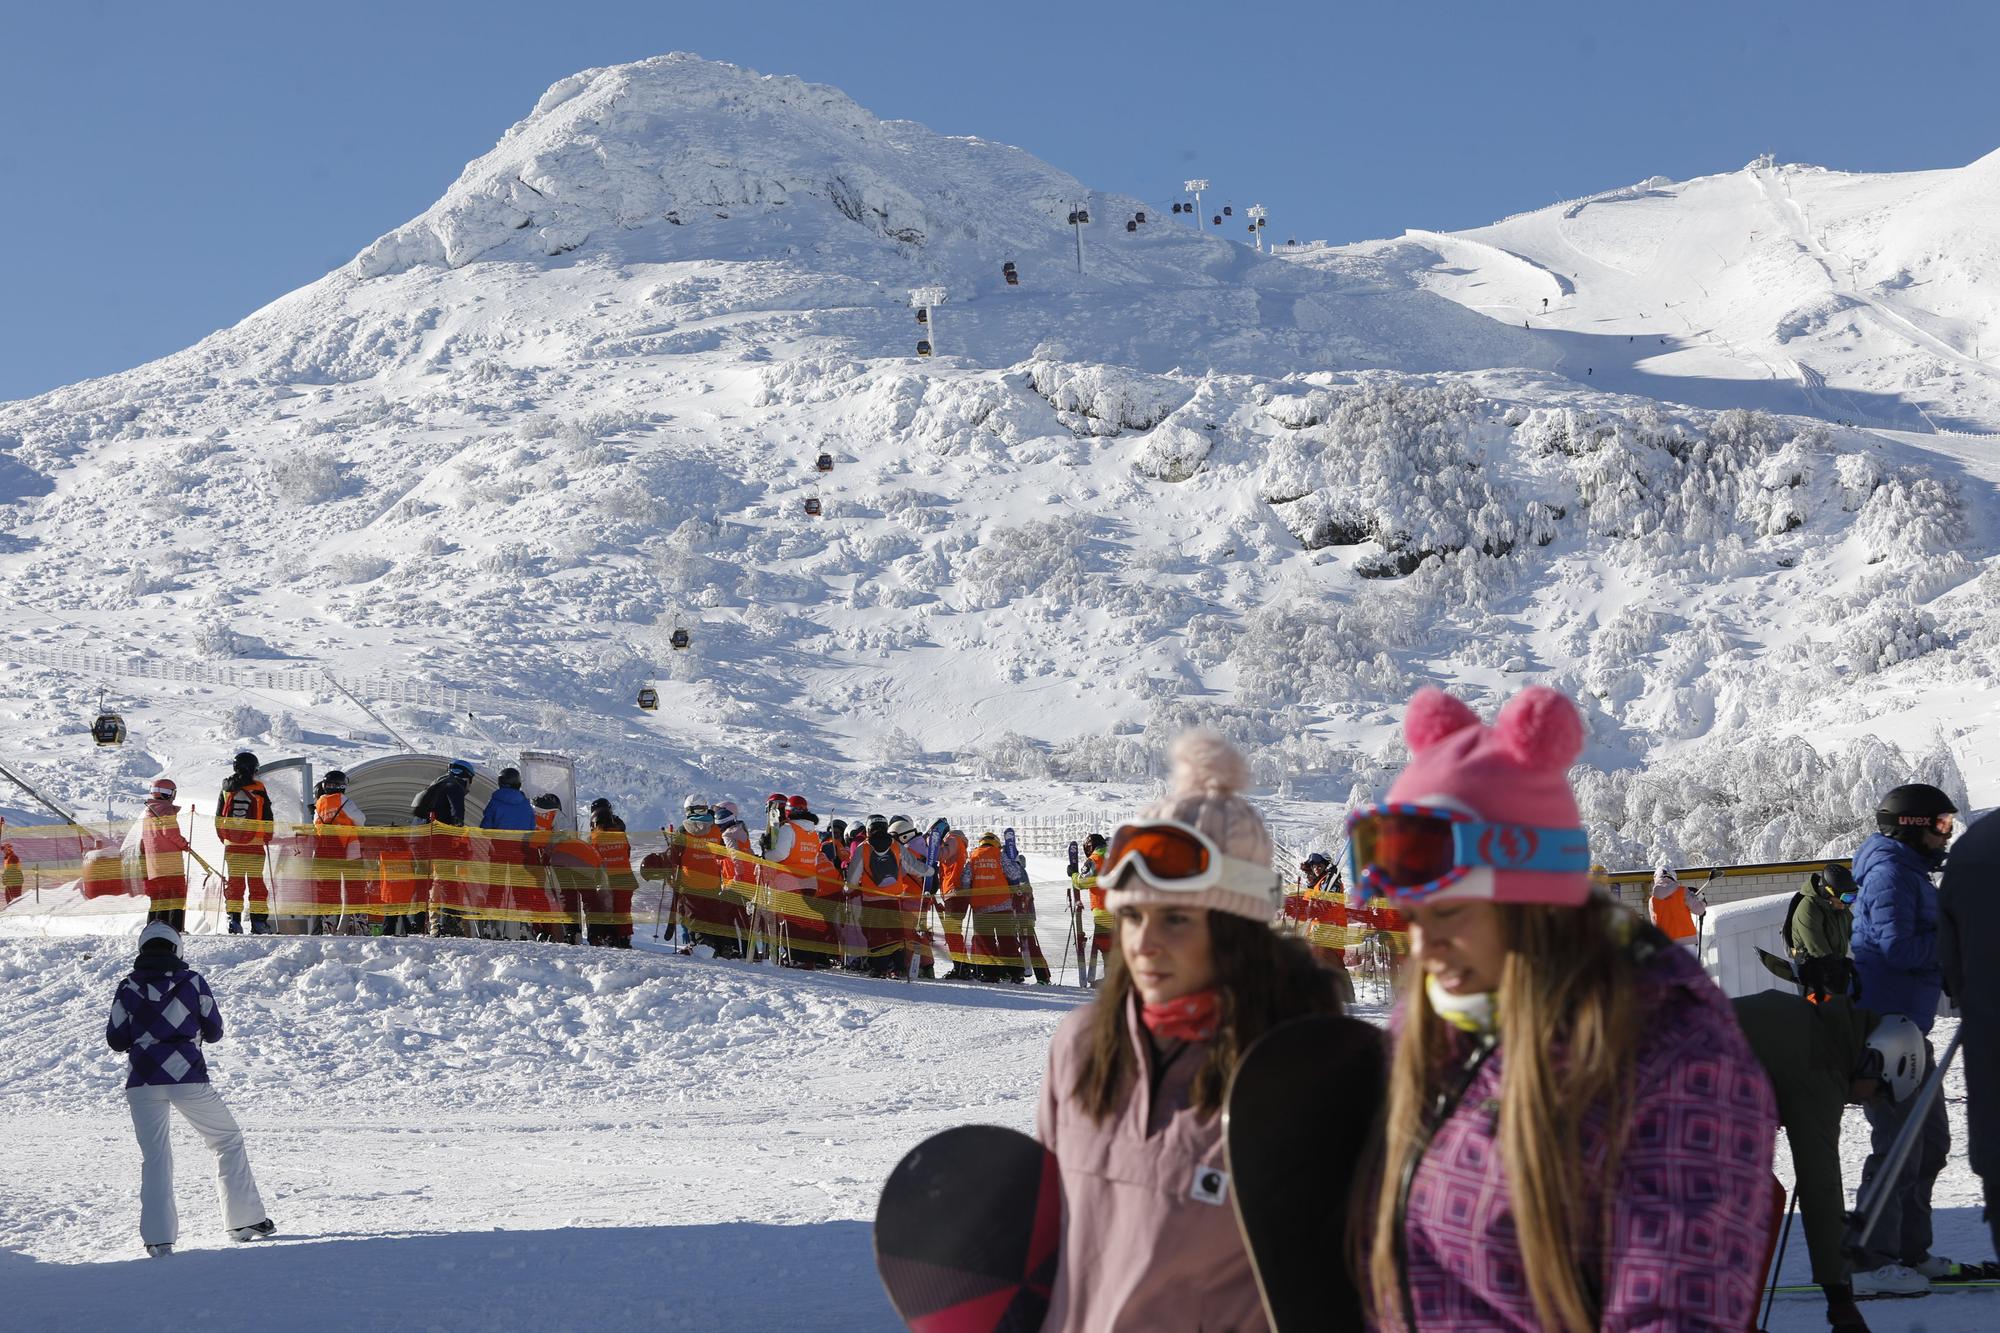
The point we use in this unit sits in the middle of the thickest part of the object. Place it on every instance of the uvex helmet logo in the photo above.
(1507, 846)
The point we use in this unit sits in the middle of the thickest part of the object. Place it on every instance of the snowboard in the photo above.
(968, 1232)
(1298, 1113)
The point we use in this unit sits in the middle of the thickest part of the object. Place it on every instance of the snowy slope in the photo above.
(1851, 297)
(575, 404)
(469, 1135)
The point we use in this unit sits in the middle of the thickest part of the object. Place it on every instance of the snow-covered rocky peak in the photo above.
(677, 140)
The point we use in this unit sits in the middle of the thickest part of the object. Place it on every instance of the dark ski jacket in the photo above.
(442, 802)
(160, 1016)
(1896, 931)
(1812, 1053)
(1820, 925)
(1969, 948)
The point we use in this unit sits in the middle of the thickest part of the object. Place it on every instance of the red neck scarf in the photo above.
(1190, 1018)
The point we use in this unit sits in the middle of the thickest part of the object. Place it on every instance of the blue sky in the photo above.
(166, 169)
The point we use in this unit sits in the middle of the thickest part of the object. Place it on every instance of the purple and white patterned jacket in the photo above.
(161, 1018)
(1689, 1215)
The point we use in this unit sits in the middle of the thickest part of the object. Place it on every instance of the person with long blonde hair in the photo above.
(1576, 1136)
(1131, 1105)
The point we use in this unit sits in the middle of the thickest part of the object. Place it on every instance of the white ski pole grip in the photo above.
(1861, 1221)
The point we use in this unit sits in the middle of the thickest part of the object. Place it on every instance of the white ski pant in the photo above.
(159, 1220)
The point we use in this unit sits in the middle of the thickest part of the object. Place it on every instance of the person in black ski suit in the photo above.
(161, 1017)
(1969, 949)
(440, 804)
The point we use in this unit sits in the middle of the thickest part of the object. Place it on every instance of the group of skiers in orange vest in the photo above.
(856, 894)
(520, 873)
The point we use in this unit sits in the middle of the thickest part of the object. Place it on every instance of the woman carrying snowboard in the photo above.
(1131, 1103)
(1577, 1135)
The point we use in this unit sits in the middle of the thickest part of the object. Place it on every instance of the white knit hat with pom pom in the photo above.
(1205, 792)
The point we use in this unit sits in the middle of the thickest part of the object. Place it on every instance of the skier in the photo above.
(1132, 1097)
(1554, 1065)
(441, 808)
(1820, 1057)
(512, 887)
(1103, 925)
(989, 926)
(337, 874)
(1818, 931)
(1969, 951)
(10, 875)
(1896, 956)
(1027, 945)
(243, 823)
(802, 889)
(162, 1015)
(574, 872)
(1674, 907)
(889, 878)
(953, 902)
(613, 926)
(162, 846)
(729, 826)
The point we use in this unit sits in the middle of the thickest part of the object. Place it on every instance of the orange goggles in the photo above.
(1165, 853)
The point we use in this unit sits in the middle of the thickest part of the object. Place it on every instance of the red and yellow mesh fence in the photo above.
(1347, 923)
(729, 899)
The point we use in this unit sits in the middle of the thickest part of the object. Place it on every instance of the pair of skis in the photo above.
(968, 1232)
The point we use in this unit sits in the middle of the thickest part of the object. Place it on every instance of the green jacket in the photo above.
(1811, 1052)
(1821, 925)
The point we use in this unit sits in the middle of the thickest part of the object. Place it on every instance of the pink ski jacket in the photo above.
(1690, 1210)
(1149, 1237)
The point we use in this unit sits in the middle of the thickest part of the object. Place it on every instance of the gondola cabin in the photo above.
(1140, 217)
(1007, 272)
(109, 729)
(923, 347)
(824, 463)
(1228, 212)
(923, 315)
(812, 506)
(649, 699)
(1177, 208)
(1218, 220)
(1131, 224)
(679, 639)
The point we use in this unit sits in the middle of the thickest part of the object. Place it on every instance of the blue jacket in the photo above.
(1896, 931)
(160, 1016)
(508, 807)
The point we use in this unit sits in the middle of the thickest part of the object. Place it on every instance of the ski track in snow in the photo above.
(458, 1134)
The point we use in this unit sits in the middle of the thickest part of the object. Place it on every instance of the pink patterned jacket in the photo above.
(1690, 1212)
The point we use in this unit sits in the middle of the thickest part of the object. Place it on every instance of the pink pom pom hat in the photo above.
(1517, 836)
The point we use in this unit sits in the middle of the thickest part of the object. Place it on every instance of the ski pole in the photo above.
(1784, 1239)
(1861, 1221)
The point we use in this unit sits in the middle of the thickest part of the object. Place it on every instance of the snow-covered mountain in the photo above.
(576, 405)
(1867, 298)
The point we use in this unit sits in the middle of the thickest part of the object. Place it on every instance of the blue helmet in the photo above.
(460, 766)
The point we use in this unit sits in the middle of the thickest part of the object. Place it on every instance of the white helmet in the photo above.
(900, 827)
(1900, 1043)
(160, 930)
(694, 803)
(726, 812)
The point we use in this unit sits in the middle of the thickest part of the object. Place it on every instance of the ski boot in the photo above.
(159, 1251)
(255, 1231)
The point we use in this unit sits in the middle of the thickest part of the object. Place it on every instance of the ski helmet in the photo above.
(989, 839)
(727, 813)
(601, 806)
(1913, 808)
(901, 827)
(1093, 842)
(509, 777)
(162, 934)
(694, 803)
(775, 798)
(335, 780)
(1896, 1049)
(837, 830)
(460, 767)
(246, 763)
(163, 790)
(796, 806)
(548, 800)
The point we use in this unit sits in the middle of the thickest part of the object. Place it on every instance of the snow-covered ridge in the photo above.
(1191, 484)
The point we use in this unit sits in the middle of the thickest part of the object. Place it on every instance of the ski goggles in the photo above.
(1176, 857)
(1403, 850)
